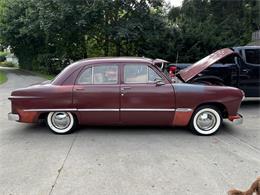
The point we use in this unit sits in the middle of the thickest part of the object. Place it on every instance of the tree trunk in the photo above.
(118, 48)
(106, 45)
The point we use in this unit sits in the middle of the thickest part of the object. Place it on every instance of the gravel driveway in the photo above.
(123, 160)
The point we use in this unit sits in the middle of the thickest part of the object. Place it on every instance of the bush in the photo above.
(3, 56)
(7, 64)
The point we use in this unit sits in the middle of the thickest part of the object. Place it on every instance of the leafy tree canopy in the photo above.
(49, 34)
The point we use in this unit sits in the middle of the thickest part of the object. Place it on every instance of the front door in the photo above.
(250, 73)
(142, 101)
(96, 94)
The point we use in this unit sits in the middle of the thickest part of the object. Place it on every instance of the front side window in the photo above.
(253, 56)
(105, 74)
(153, 76)
(139, 74)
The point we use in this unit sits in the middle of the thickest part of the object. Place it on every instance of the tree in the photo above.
(206, 26)
(48, 34)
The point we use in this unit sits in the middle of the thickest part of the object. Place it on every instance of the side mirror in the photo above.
(159, 82)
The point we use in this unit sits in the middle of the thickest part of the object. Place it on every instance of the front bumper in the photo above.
(13, 117)
(237, 119)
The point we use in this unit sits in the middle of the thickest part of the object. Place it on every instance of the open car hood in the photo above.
(193, 70)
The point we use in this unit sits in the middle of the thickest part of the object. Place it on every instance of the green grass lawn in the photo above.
(3, 77)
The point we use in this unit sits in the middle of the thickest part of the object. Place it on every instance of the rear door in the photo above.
(96, 94)
(142, 101)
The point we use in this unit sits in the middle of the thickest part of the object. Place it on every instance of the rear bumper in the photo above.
(237, 119)
(13, 117)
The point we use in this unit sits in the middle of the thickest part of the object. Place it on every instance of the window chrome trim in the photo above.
(92, 75)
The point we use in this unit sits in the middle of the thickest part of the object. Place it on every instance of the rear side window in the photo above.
(253, 56)
(104, 74)
(139, 74)
(86, 77)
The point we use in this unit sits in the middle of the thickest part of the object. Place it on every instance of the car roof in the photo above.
(107, 60)
(89, 61)
(247, 47)
(116, 59)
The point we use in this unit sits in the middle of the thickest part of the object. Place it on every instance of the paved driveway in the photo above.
(122, 160)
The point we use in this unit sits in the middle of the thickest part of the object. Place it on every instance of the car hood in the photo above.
(193, 70)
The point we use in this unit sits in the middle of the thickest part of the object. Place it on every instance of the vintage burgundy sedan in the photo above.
(127, 91)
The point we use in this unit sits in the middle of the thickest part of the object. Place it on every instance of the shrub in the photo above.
(7, 64)
(3, 56)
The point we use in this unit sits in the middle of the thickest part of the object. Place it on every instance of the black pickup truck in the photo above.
(242, 71)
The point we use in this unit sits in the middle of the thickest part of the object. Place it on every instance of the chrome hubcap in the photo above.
(206, 121)
(60, 120)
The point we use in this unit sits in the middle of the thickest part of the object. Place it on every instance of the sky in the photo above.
(175, 3)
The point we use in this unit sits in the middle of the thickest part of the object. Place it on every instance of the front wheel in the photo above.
(61, 122)
(206, 120)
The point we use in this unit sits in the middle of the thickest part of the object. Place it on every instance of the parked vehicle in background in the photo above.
(127, 91)
(242, 71)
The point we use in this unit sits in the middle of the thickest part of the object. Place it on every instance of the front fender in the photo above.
(191, 96)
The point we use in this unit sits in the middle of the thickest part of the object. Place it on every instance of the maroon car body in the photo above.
(80, 89)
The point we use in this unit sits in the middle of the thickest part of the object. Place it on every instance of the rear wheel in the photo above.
(61, 122)
(206, 120)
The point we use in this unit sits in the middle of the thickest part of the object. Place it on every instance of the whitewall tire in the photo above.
(61, 122)
(206, 120)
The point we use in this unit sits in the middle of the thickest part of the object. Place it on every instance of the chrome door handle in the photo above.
(79, 89)
(125, 88)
